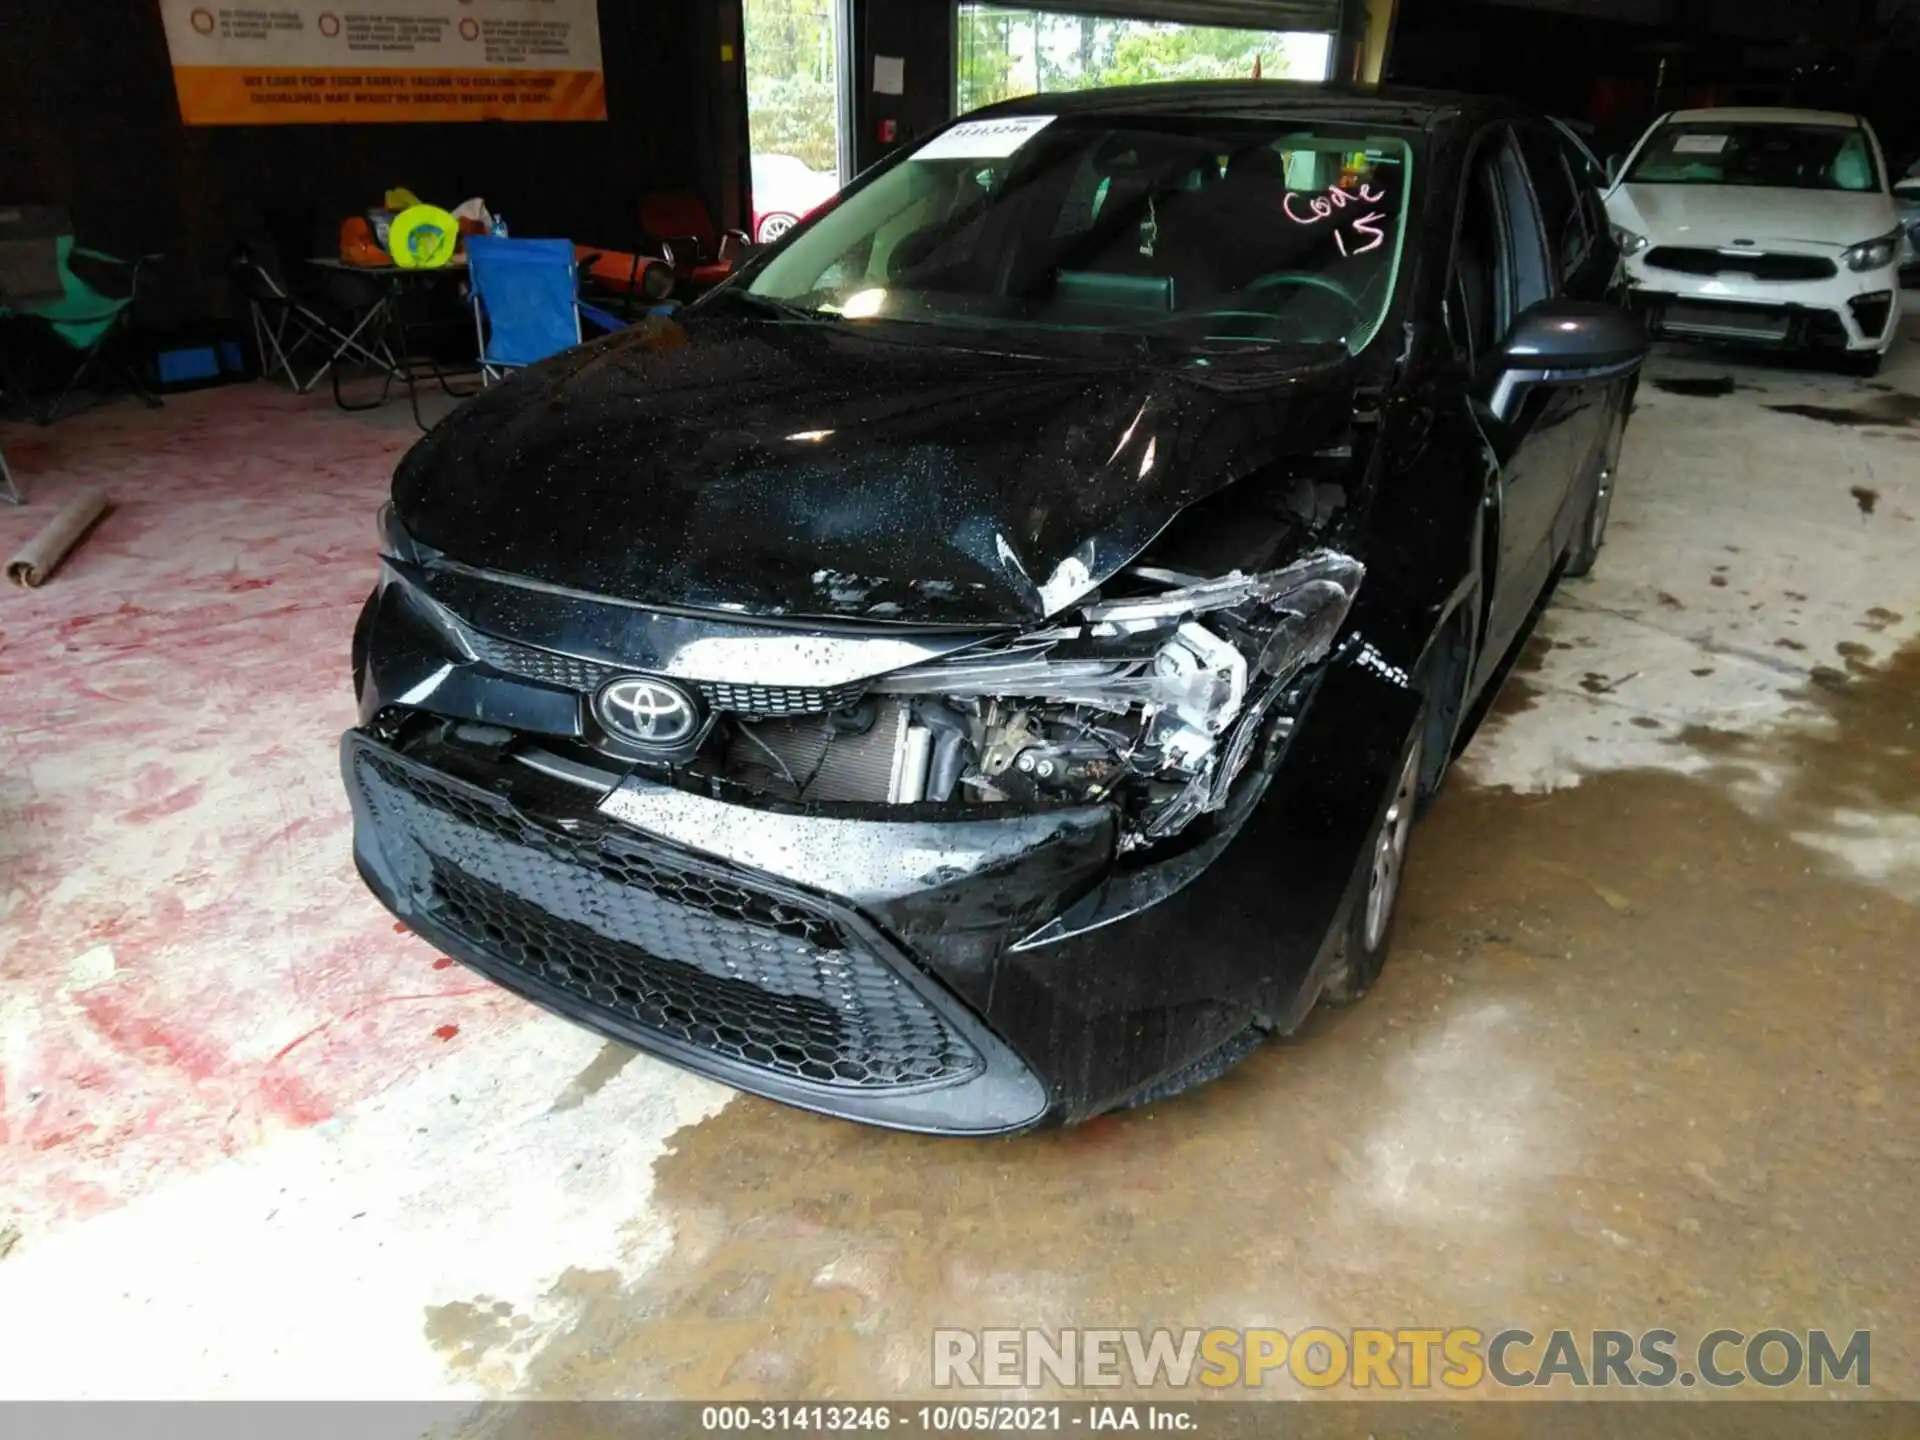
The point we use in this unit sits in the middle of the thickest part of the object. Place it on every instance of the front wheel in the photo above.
(1593, 527)
(1362, 951)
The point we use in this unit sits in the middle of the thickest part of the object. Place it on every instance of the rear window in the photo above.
(1785, 157)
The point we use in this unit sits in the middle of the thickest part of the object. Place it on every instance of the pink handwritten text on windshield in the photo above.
(1311, 210)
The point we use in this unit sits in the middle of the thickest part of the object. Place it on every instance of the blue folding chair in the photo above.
(526, 301)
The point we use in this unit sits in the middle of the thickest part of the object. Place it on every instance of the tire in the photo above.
(1585, 553)
(1361, 951)
(1861, 366)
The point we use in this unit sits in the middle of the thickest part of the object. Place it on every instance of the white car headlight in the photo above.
(1875, 254)
(1631, 242)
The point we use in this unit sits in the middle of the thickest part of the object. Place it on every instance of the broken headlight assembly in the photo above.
(1155, 700)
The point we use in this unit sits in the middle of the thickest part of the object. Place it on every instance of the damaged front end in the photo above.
(1151, 701)
(862, 871)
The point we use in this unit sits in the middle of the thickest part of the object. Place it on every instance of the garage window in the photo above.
(1004, 52)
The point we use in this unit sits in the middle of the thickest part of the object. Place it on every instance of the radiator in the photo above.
(887, 765)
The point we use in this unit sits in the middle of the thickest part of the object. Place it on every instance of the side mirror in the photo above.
(1567, 342)
(1615, 164)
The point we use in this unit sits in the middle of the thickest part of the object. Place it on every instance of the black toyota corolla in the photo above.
(980, 666)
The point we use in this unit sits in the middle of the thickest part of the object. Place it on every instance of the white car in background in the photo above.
(1762, 226)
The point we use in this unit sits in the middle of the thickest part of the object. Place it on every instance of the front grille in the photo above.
(544, 667)
(1760, 265)
(696, 957)
(774, 700)
(568, 672)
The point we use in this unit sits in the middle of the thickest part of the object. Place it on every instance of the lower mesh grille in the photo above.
(569, 672)
(753, 978)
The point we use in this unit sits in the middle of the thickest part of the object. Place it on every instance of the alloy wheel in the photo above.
(1603, 484)
(1390, 851)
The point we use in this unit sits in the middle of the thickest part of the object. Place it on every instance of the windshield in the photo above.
(1209, 234)
(1787, 157)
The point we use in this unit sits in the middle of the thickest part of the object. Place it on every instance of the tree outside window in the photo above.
(1007, 51)
(792, 106)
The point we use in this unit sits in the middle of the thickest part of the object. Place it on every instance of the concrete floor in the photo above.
(1644, 1055)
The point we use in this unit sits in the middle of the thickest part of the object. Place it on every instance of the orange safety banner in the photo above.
(219, 95)
(277, 62)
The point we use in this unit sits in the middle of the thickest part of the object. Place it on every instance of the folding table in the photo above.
(378, 336)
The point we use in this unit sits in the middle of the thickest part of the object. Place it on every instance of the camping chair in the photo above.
(526, 301)
(47, 278)
(284, 325)
(683, 234)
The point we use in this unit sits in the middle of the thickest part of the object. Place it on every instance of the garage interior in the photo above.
(1643, 1055)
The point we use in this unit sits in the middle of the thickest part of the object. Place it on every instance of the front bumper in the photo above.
(958, 973)
(957, 977)
(1852, 311)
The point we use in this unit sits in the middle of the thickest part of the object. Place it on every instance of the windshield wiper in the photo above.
(785, 310)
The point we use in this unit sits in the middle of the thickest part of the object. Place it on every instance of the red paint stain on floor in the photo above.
(149, 1038)
(152, 807)
(447, 1032)
(172, 804)
(293, 1100)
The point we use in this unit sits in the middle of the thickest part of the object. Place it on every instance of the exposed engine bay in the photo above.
(1154, 700)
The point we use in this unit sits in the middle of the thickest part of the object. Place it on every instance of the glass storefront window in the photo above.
(1005, 51)
(793, 109)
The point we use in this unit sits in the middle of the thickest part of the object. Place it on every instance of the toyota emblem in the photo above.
(647, 712)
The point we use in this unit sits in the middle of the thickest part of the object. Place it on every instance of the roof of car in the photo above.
(1385, 103)
(1765, 115)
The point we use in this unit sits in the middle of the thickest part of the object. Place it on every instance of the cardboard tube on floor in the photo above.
(34, 561)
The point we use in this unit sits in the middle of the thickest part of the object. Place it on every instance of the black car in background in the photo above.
(980, 666)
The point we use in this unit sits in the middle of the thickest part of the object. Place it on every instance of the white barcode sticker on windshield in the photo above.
(1699, 144)
(983, 139)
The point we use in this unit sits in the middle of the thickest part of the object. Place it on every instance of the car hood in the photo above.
(823, 469)
(1711, 216)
